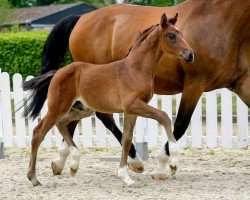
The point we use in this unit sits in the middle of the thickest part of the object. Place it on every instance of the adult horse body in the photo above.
(217, 30)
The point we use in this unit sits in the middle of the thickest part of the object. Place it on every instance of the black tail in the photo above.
(57, 43)
(39, 89)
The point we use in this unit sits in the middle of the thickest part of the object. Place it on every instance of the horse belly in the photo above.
(100, 94)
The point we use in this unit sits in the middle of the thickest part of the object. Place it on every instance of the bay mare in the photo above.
(217, 30)
(123, 86)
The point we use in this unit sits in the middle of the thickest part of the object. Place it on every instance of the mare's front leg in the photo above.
(129, 123)
(190, 97)
(134, 161)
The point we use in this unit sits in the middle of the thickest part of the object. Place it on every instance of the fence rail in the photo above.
(211, 125)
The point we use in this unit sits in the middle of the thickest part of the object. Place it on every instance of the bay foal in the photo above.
(122, 86)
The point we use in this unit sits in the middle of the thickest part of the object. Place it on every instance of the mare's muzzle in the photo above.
(188, 55)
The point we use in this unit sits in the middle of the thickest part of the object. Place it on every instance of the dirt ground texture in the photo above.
(203, 174)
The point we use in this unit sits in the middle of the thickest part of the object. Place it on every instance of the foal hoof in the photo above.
(56, 170)
(173, 169)
(159, 176)
(136, 167)
(73, 171)
(36, 183)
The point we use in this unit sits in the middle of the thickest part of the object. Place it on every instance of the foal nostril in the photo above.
(191, 58)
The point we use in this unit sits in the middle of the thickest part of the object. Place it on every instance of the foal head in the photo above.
(172, 41)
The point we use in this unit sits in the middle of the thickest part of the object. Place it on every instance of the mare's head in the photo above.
(172, 41)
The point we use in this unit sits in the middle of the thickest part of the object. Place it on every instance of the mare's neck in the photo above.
(145, 56)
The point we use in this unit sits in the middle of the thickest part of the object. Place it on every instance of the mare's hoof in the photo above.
(73, 171)
(56, 170)
(136, 167)
(173, 169)
(159, 176)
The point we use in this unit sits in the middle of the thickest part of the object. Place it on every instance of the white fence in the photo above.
(220, 119)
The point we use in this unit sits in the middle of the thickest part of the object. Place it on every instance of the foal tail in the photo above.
(38, 87)
(57, 43)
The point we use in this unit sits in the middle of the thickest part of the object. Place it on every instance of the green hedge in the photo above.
(21, 52)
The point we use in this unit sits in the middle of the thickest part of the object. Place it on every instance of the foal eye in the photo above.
(172, 37)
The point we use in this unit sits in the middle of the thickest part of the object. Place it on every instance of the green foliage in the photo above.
(96, 3)
(5, 4)
(21, 52)
(22, 3)
(154, 2)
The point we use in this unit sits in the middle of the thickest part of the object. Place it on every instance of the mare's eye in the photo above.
(172, 37)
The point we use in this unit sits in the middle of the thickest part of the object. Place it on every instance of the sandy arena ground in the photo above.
(203, 174)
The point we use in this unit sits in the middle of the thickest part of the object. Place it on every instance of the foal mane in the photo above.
(141, 37)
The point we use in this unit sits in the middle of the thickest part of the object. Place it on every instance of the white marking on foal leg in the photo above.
(174, 150)
(136, 164)
(123, 174)
(76, 155)
(161, 171)
(58, 164)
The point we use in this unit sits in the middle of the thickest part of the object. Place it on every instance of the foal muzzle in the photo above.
(188, 55)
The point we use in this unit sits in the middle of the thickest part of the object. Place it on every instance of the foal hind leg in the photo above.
(58, 164)
(71, 120)
(134, 161)
(38, 135)
(76, 154)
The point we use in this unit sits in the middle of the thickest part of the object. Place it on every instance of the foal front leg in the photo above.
(129, 123)
(134, 160)
(140, 108)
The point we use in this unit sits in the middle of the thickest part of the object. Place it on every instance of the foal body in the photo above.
(122, 86)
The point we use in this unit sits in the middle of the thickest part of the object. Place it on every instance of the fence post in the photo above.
(101, 133)
(1, 127)
(87, 130)
(18, 101)
(1, 110)
(196, 125)
(6, 110)
(226, 118)
(211, 119)
(167, 107)
(141, 145)
(242, 122)
(152, 126)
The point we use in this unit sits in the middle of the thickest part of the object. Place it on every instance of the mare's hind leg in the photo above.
(38, 135)
(134, 161)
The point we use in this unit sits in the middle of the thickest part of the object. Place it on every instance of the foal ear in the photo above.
(173, 20)
(164, 21)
